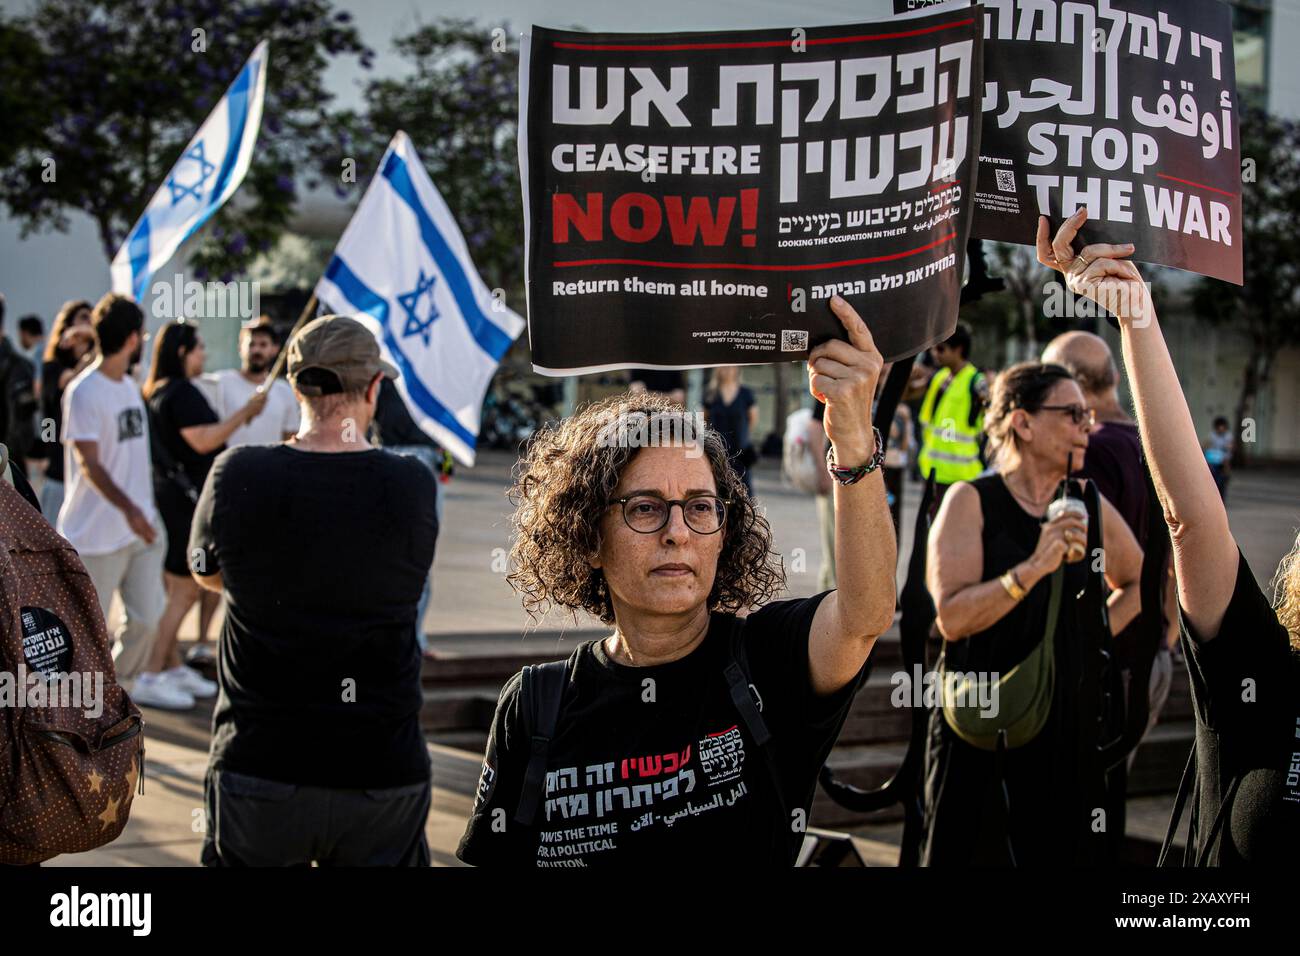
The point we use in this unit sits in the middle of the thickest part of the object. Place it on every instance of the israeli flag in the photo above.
(207, 173)
(402, 268)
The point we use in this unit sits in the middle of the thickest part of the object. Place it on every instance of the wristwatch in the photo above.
(847, 476)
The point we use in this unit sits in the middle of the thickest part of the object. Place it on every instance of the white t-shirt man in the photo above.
(230, 392)
(111, 414)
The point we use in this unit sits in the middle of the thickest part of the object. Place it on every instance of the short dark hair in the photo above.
(960, 339)
(114, 318)
(32, 325)
(1222, 421)
(262, 325)
(320, 381)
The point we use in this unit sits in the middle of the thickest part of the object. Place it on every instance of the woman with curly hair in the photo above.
(689, 733)
(1243, 654)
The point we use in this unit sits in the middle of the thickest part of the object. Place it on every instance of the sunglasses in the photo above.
(1078, 414)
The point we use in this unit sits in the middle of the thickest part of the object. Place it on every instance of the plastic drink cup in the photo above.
(1060, 506)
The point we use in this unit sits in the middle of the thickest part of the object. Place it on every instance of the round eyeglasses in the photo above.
(648, 513)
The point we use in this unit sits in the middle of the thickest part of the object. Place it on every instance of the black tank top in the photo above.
(1010, 535)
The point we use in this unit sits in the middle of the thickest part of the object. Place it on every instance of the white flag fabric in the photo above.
(206, 175)
(404, 270)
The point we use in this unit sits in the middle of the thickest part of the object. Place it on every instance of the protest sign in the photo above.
(1127, 107)
(696, 200)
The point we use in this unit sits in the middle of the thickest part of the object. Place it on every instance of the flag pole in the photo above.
(308, 311)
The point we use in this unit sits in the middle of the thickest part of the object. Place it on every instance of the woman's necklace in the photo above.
(1037, 506)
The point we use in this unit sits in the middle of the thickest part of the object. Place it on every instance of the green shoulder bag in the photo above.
(1022, 696)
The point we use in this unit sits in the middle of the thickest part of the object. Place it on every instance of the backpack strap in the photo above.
(976, 400)
(541, 691)
(737, 674)
(1217, 828)
(738, 683)
(1185, 788)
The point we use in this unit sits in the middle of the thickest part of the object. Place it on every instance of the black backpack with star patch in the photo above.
(71, 741)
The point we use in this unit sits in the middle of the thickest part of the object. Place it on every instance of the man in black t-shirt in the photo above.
(322, 545)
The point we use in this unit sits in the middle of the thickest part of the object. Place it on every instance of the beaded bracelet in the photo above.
(847, 476)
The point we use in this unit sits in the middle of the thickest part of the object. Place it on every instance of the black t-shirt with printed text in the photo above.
(1246, 694)
(655, 764)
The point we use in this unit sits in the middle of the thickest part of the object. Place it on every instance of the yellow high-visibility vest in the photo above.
(949, 438)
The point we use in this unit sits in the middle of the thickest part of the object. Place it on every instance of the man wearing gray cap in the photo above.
(322, 545)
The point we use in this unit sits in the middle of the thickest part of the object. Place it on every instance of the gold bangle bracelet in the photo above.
(1013, 587)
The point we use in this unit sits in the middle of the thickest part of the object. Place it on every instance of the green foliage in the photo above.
(123, 85)
(1266, 309)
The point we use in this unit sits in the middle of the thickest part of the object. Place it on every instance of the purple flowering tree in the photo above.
(459, 107)
(122, 85)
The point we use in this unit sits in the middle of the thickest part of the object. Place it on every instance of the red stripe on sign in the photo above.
(721, 732)
(748, 266)
(754, 44)
(1188, 182)
(942, 186)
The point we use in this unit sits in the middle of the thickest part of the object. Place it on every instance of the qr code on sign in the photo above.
(1006, 180)
(794, 340)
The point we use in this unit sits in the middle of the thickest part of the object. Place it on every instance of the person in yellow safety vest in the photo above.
(952, 415)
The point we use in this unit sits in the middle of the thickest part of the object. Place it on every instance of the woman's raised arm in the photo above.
(1205, 553)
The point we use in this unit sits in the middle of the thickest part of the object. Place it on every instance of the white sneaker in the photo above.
(191, 681)
(155, 690)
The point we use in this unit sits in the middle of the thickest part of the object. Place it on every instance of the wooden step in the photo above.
(495, 658)
(448, 709)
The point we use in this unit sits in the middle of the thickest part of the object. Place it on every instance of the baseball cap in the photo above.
(340, 345)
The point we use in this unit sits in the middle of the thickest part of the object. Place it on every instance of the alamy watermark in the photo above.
(37, 689)
(1120, 299)
(179, 299)
(635, 429)
(924, 689)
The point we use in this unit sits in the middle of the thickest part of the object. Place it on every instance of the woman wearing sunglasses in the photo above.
(1243, 654)
(1015, 590)
(689, 734)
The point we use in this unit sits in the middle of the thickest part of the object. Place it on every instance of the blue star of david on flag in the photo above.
(410, 302)
(179, 190)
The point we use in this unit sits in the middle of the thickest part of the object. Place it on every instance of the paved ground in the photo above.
(472, 596)
(469, 595)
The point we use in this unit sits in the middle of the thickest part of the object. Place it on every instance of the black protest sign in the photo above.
(697, 199)
(1127, 107)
